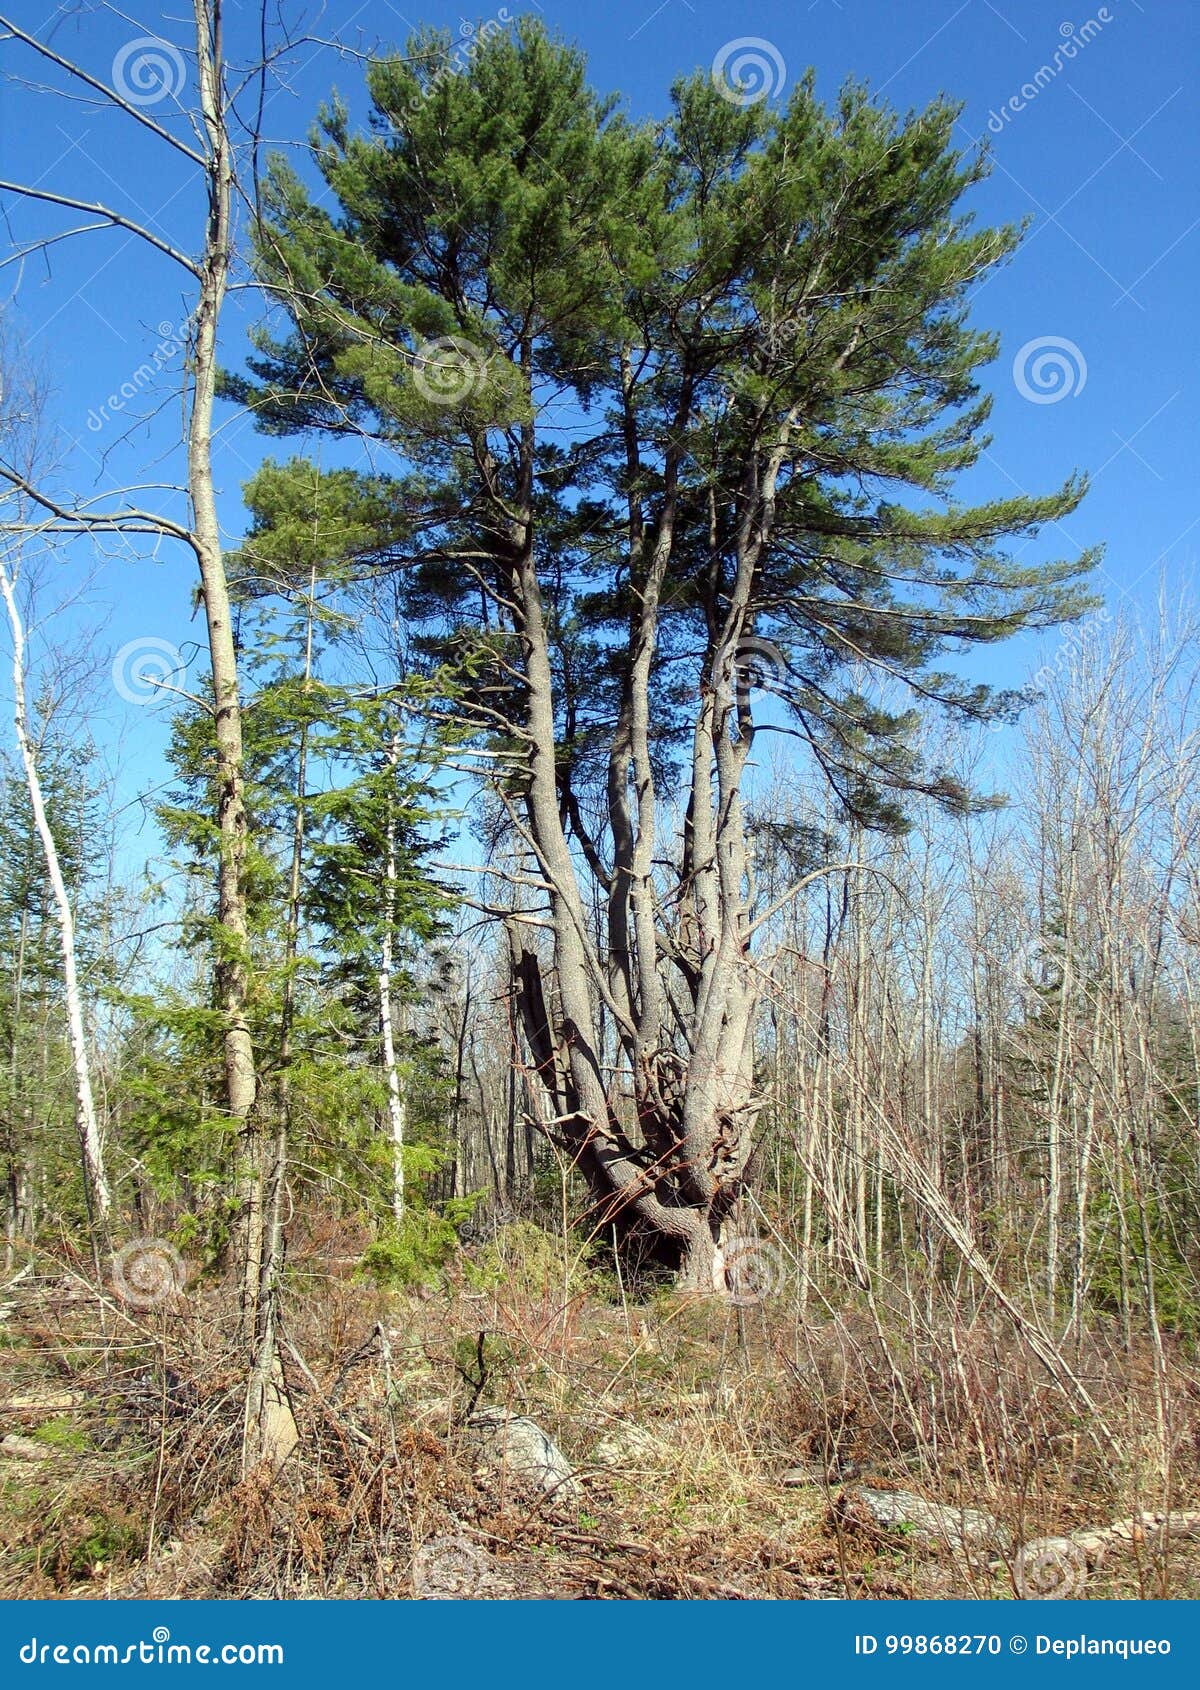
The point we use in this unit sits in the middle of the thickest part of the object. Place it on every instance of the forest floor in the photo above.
(716, 1452)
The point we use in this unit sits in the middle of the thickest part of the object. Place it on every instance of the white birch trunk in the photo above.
(396, 1106)
(85, 1108)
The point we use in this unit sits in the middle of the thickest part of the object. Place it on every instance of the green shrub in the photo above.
(412, 1253)
(527, 1259)
(62, 1433)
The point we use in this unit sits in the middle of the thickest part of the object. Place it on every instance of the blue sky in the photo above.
(1098, 342)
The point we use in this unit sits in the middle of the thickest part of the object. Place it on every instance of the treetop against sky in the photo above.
(1086, 122)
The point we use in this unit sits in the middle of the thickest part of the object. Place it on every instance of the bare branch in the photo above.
(78, 521)
(111, 94)
(25, 191)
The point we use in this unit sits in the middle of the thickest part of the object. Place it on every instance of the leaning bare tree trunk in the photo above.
(94, 1176)
(269, 1428)
(213, 158)
(232, 967)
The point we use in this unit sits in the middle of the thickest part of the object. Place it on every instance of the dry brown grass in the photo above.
(141, 1492)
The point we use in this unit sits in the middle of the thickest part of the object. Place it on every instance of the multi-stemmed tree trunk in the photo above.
(641, 382)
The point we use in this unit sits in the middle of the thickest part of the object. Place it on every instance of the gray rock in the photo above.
(959, 1528)
(627, 1445)
(24, 1449)
(517, 1444)
(804, 1475)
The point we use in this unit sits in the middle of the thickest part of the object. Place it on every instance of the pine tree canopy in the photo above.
(713, 380)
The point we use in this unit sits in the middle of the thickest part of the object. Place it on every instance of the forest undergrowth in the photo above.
(718, 1450)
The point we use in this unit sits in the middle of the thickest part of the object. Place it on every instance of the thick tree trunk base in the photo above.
(270, 1434)
(702, 1270)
